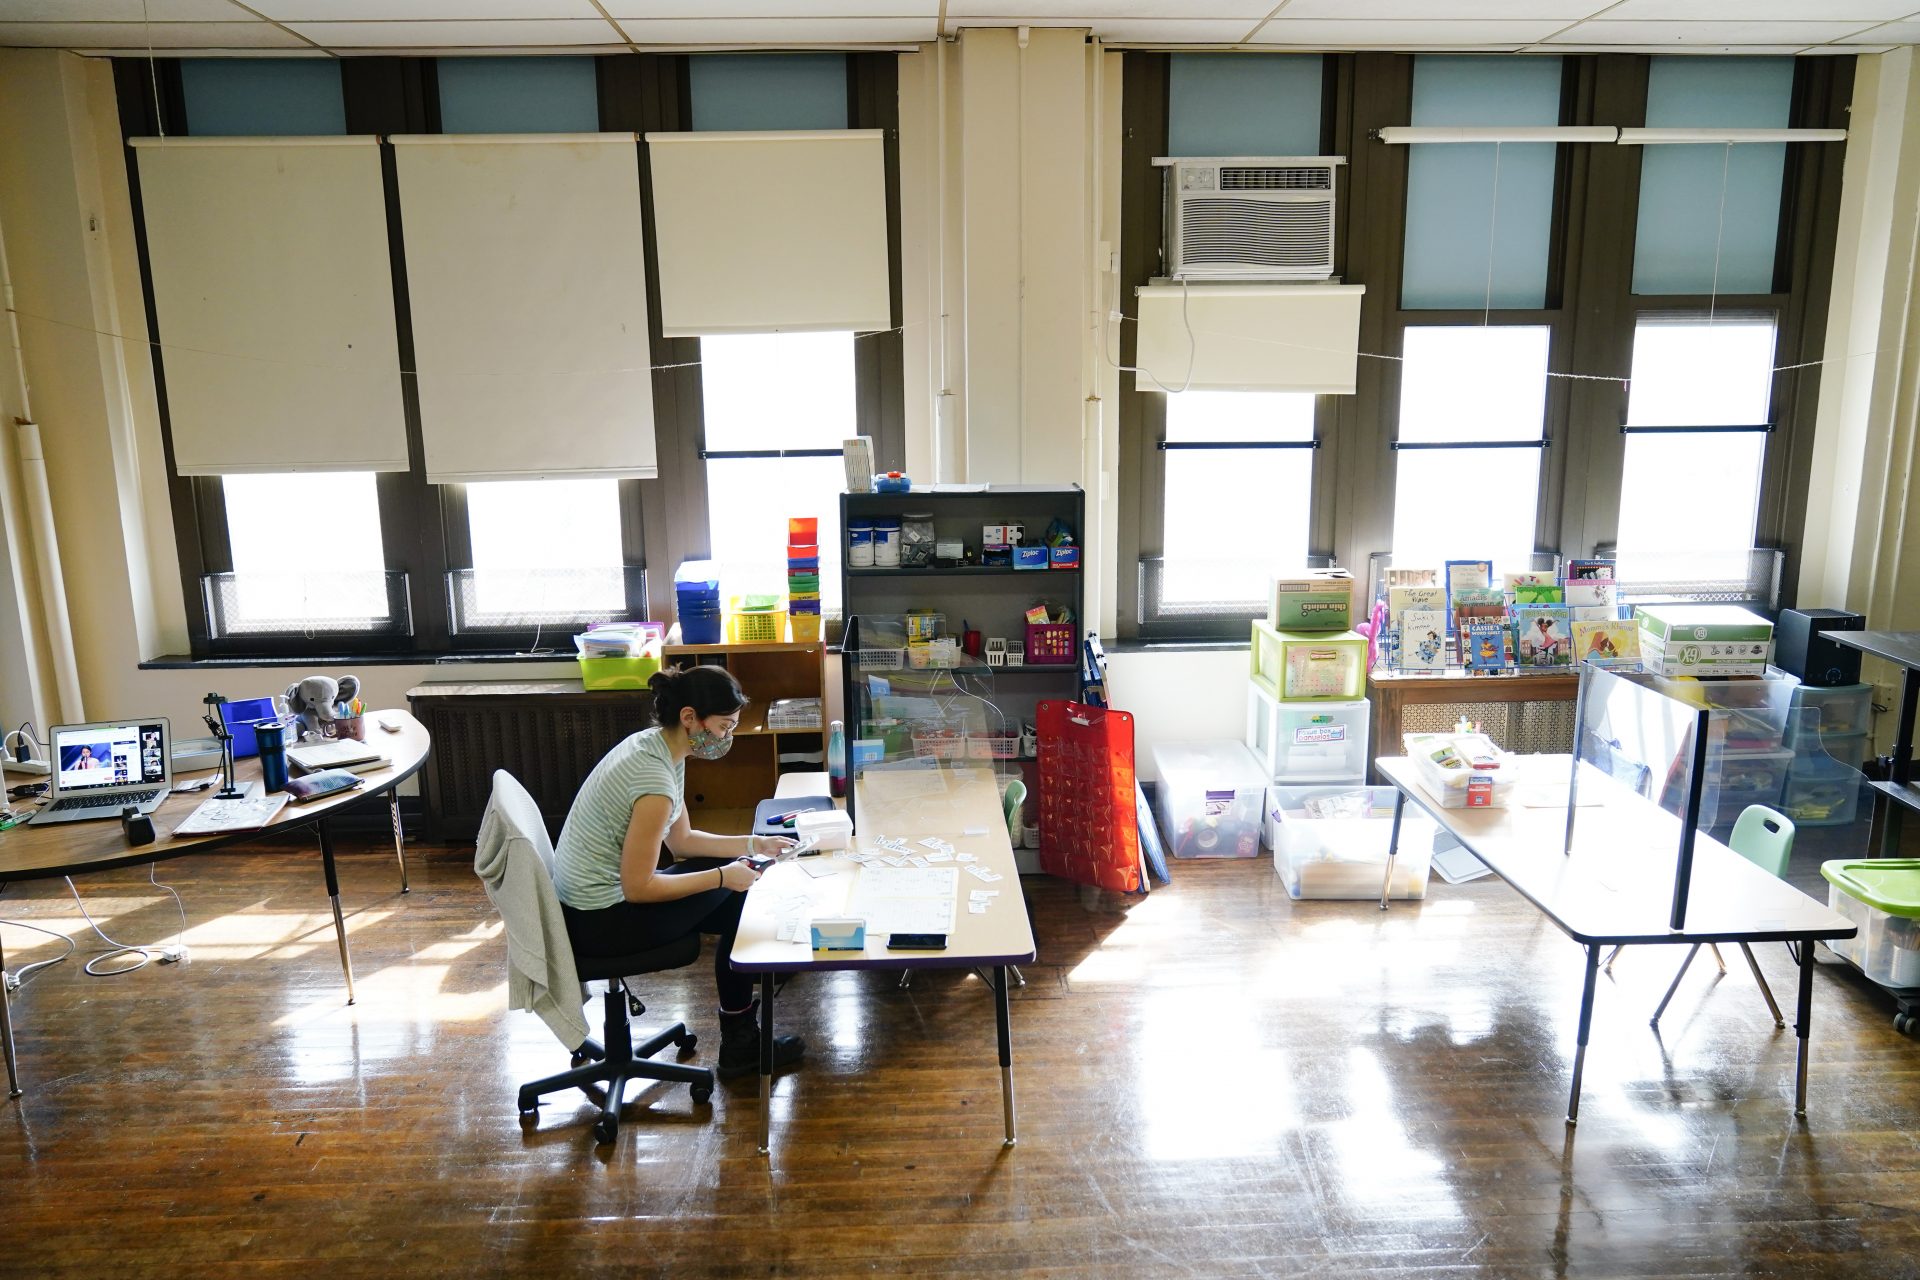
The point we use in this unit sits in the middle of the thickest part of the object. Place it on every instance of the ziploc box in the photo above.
(1312, 600)
(1704, 640)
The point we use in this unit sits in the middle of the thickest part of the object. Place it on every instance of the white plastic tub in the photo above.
(1321, 856)
(1209, 798)
(1307, 740)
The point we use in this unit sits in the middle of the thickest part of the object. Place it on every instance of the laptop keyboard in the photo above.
(115, 803)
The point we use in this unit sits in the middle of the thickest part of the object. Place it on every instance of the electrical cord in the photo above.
(18, 978)
(147, 954)
(23, 743)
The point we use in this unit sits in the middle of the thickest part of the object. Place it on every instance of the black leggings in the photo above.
(626, 927)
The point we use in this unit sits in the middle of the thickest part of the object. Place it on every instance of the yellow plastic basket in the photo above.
(768, 627)
(806, 628)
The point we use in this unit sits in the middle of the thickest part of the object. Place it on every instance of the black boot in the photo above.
(740, 1045)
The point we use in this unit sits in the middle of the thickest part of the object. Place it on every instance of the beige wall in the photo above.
(1006, 282)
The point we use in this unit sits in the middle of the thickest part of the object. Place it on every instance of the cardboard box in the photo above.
(1704, 640)
(1029, 557)
(1314, 600)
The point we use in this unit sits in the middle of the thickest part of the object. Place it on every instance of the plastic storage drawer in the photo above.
(1849, 749)
(1882, 896)
(1843, 710)
(1295, 666)
(1822, 794)
(1210, 798)
(1308, 741)
(1343, 852)
(1750, 714)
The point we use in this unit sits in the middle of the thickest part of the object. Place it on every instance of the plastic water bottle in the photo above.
(837, 759)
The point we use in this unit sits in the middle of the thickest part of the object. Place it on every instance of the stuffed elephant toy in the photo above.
(313, 700)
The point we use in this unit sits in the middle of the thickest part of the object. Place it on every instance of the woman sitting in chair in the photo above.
(617, 896)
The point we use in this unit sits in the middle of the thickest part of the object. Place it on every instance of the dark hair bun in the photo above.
(663, 683)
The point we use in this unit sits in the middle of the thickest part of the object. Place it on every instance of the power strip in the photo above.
(27, 766)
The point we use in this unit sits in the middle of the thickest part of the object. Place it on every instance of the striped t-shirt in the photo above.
(586, 862)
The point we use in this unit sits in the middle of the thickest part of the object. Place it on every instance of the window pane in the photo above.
(1683, 215)
(1451, 187)
(518, 95)
(546, 547)
(748, 502)
(1438, 517)
(262, 97)
(768, 91)
(1699, 530)
(1696, 374)
(1243, 104)
(271, 584)
(1234, 517)
(778, 390)
(1473, 383)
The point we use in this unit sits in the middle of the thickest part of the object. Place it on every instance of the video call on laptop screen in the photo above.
(117, 755)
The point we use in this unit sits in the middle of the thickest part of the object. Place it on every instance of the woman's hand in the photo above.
(769, 846)
(738, 876)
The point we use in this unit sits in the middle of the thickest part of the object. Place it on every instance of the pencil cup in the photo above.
(354, 727)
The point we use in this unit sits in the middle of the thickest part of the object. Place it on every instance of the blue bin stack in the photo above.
(696, 592)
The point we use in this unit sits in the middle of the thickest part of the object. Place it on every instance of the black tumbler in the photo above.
(272, 737)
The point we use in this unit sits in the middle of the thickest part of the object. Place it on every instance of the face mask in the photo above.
(707, 745)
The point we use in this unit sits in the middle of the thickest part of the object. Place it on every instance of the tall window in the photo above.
(1472, 419)
(1239, 480)
(1697, 409)
(778, 407)
(340, 588)
(545, 549)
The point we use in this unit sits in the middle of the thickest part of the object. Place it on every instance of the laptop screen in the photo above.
(97, 757)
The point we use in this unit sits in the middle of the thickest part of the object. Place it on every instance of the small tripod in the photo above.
(229, 790)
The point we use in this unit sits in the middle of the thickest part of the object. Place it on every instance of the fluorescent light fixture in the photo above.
(1400, 135)
(1658, 137)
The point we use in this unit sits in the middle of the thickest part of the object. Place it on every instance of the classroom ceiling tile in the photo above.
(160, 35)
(1396, 10)
(779, 32)
(1682, 34)
(1890, 33)
(1762, 10)
(420, 10)
(122, 11)
(1096, 13)
(771, 9)
(1696, 47)
(1317, 33)
(536, 33)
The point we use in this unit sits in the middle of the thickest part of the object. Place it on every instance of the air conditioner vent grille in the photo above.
(1276, 178)
(1224, 231)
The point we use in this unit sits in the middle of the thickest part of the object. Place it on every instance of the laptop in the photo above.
(100, 769)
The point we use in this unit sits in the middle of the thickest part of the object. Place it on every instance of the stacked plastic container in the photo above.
(1827, 732)
(803, 578)
(696, 598)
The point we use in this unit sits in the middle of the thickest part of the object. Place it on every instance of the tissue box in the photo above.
(830, 829)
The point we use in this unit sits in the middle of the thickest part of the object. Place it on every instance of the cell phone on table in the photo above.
(916, 942)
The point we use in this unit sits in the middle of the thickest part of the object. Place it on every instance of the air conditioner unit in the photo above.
(1250, 217)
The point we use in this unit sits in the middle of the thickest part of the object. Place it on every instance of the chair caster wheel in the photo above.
(604, 1131)
(687, 1042)
(702, 1094)
(1903, 1023)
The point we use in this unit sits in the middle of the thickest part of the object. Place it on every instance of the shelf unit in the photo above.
(1895, 795)
(722, 794)
(992, 599)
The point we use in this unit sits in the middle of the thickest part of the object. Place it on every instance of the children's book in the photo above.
(1589, 570)
(1512, 582)
(1486, 647)
(1598, 613)
(1537, 593)
(1543, 636)
(1466, 573)
(1606, 643)
(1423, 640)
(1587, 592)
(1401, 599)
(1476, 605)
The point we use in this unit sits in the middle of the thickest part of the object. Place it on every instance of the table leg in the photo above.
(1004, 1025)
(1586, 1025)
(1802, 1025)
(333, 894)
(766, 1063)
(6, 1032)
(399, 837)
(1393, 846)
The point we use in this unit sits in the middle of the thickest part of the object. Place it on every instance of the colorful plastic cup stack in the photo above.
(803, 578)
(696, 591)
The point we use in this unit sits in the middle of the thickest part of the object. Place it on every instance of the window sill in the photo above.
(186, 662)
(1176, 646)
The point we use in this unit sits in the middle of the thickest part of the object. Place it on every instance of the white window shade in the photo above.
(1248, 337)
(771, 232)
(528, 289)
(274, 299)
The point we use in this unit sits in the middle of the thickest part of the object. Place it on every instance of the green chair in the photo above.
(1764, 838)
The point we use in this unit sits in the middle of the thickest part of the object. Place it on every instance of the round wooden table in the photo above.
(77, 848)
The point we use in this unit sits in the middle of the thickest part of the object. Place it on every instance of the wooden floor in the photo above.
(1212, 1082)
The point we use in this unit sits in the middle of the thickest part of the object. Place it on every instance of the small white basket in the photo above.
(882, 659)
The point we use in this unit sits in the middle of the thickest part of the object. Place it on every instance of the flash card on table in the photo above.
(939, 857)
(974, 831)
(917, 860)
(964, 857)
(977, 907)
(818, 869)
